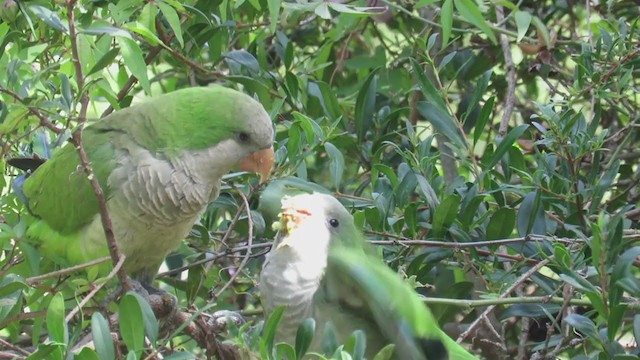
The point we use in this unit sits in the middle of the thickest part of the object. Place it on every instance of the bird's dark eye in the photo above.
(243, 136)
(334, 223)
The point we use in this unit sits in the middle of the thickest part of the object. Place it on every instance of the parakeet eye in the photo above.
(334, 223)
(243, 136)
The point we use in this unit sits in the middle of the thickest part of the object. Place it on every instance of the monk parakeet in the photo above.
(159, 164)
(319, 267)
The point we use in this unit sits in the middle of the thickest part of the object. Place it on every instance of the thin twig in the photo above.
(475, 244)
(244, 261)
(504, 295)
(9, 345)
(213, 258)
(95, 290)
(43, 119)
(34, 279)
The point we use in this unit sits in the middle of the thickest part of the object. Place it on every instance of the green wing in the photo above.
(59, 191)
(397, 310)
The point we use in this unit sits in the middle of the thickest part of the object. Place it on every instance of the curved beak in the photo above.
(259, 162)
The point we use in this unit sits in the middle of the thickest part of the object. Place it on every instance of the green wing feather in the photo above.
(397, 310)
(62, 178)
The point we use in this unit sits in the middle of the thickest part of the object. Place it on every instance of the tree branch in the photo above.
(76, 138)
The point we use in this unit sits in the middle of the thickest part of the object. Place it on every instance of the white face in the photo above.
(310, 221)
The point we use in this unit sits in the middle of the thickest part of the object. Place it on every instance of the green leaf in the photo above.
(431, 94)
(446, 21)
(326, 96)
(87, 354)
(171, 15)
(134, 61)
(365, 104)
(542, 29)
(182, 355)
(444, 215)
(336, 166)
(423, 3)
(582, 324)
(274, 13)
(483, 118)
(501, 224)
(531, 216)
(269, 332)
(505, 144)
(132, 323)
(563, 257)
(636, 328)
(356, 10)
(443, 122)
(523, 20)
(101, 29)
(66, 91)
(104, 61)
(614, 322)
(470, 12)
(386, 353)
(356, 344)
(150, 322)
(49, 17)
(479, 91)
(146, 33)
(284, 351)
(322, 10)
(56, 325)
(102, 337)
(304, 336)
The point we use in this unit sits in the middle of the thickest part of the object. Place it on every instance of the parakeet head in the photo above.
(233, 123)
(312, 222)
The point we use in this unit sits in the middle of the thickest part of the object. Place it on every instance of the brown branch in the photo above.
(22, 316)
(10, 346)
(195, 66)
(43, 119)
(76, 138)
(511, 77)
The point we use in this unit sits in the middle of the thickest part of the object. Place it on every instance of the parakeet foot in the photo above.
(120, 291)
(162, 302)
(219, 320)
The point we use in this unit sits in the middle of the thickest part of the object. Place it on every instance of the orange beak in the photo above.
(259, 162)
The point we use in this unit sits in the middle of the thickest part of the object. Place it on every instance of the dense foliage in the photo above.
(488, 147)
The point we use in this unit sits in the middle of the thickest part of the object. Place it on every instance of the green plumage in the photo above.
(159, 164)
(321, 267)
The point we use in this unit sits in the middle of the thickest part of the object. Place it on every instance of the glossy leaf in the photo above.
(132, 325)
(102, 337)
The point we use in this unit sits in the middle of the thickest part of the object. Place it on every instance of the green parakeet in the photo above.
(159, 163)
(320, 267)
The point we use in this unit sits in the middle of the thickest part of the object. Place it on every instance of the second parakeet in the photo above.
(320, 267)
(159, 163)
